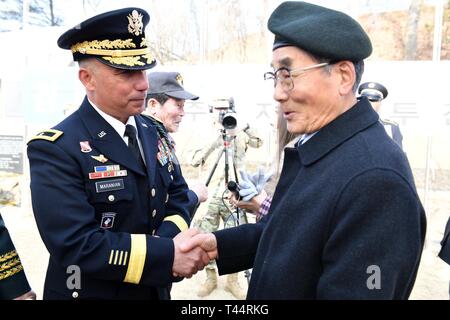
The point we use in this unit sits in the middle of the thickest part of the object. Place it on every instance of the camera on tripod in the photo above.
(227, 112)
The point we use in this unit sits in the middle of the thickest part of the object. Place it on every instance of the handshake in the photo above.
(193, 251)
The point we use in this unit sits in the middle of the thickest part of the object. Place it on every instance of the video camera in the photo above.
(227, 113)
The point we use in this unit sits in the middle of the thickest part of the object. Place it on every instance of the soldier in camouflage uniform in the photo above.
(216, 208)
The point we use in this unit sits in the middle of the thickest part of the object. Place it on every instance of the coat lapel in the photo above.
(361, 116)
(149, 141)
(106, 139)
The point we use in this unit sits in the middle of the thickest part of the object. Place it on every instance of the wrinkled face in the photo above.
(119, 93)
(170, 113)
(314, 100)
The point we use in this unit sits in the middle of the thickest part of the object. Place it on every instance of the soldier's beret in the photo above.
(116, 38)
(169, 83)
(373, 91)
(320, 31)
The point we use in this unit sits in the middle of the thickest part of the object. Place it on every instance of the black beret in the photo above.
(373, 91)
(116, 38)
(169, 83)
(320, 31)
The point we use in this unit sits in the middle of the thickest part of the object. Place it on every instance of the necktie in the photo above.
(299, 142)
(130, 132)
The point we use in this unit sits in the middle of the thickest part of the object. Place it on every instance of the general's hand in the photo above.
(201, 191)
(30, 295)
(188, 262)
(205, 241)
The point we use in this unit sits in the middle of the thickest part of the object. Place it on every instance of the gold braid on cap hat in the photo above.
(110, 48)
(130, 61)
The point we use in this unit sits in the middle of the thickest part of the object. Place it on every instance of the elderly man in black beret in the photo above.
(346, 221)
(109, 202)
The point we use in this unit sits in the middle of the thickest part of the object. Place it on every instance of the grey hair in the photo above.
(359, 69)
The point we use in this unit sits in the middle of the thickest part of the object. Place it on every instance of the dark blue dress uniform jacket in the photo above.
(13, 282)
(105, 226)
(345, 202)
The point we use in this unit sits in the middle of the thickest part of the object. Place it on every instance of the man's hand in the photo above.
(30, 295)
(201, 191)
(253, 205)
(206, 241)
(188, 262)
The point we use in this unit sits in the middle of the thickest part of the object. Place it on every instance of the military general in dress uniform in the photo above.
(108, 200)
(375, 93)
(346, 221)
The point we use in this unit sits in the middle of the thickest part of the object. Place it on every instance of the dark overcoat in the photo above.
(393, 130)
(345, 222)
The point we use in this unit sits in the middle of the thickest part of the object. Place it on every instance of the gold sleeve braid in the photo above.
(178, 221)
(137, 258)
(9, 264)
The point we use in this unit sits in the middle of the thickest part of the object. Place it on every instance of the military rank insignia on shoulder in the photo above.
(48, 135)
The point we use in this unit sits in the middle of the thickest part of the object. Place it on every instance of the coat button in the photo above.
(153, 192)
(171, 177)
(74, 294)
(111, 198)
(154, 213)
(167, 198)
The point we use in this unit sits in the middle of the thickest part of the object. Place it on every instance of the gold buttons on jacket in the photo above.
(74, 294)
(111, 198)
(153, 192)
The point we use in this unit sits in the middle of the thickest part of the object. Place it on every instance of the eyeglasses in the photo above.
(284, 75)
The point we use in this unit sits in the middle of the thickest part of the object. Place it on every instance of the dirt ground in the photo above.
(432, 280)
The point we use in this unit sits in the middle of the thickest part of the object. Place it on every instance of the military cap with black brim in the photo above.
(323, 32)
(169, 83)
(374, 91)
(115, 38)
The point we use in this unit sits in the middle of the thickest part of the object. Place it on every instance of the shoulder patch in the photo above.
(48, 135)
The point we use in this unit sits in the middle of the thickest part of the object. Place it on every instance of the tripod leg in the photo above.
(211, 173)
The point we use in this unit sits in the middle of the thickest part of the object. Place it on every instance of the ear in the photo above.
(87, 79)
(347, 76)
(152, 105)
